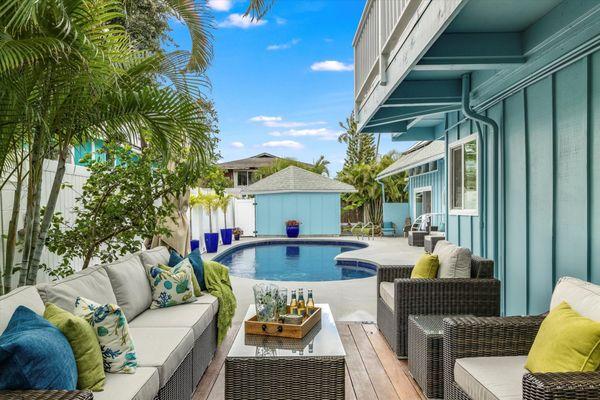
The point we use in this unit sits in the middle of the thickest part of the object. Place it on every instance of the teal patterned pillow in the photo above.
(171, 287)
(112, 331)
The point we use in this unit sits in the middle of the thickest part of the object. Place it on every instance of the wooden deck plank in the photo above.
(349, 388)
(380, 380)
(363, 388)
(396, 370)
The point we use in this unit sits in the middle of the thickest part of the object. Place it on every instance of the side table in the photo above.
(425, 353)
(431, 240)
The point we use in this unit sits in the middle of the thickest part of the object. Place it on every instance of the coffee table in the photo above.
(267, 367)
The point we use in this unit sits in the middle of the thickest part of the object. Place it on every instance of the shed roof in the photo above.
(419, 154)
(295, 179)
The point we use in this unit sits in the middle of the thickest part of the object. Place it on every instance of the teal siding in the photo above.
(543, 186)
(435, 180)
(396, 213)
(319, 213)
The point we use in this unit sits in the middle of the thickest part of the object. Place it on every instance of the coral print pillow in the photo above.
(112, 331)
(172, 286)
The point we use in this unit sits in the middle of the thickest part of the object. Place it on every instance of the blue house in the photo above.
(512, 88)
(424, 164)
(297, 194)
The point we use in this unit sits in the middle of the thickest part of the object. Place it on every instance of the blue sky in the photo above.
(281, 85)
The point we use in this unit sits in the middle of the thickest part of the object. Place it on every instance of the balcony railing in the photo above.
(380, 27)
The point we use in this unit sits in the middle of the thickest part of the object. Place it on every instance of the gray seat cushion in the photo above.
(130, 284)
(155, 256)
(91, 283)
(162, 348)
(27, 296)
(386, 291)
(491, 378)
(455, 262)
(143, 385)
(208, 298)
(192, 315)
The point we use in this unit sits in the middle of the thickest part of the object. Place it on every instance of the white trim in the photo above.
(460, 143)
(421, 189)
(399, 170)
(250, 192)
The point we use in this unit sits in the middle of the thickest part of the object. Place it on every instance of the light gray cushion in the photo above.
(91, 283)
(130, 284)
(27, 296)
(386, 291)
(208, 298)
(143, 385)
(162, 348)
(583, 297)
(191, 315)
(455, 262)
(491, 378)
(155, 256)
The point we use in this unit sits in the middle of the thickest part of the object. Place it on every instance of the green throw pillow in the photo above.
(85, 346)
(185, 262)
(426, 267)
(566, 342)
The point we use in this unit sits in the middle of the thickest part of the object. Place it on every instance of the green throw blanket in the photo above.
(216, 277)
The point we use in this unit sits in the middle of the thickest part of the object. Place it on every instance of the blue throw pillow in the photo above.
(34, 354)
(196, 262)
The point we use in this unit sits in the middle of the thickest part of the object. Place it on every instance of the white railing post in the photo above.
(383, 57)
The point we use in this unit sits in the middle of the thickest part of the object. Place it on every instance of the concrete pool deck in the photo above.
(350, 300)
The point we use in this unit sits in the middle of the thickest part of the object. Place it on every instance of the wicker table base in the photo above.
(425, 353)
(46, 395)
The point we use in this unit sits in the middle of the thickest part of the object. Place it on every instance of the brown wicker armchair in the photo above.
(466, 337)
(479, 295)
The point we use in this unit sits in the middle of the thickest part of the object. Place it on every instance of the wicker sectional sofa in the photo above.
(173, 345)
(398, 296)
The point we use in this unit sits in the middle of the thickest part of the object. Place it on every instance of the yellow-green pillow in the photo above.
(195, 284)
(84, 343)
(566, 342)
(426, 267)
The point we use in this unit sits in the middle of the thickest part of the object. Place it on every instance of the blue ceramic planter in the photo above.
(211, 240)
(292, 231)
(194, 244)
(226, 235)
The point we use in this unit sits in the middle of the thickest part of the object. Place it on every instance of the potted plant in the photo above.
(292, 228)
(208, 202)
(237, 232)
(223, 202)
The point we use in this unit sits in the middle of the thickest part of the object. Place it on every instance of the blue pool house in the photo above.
(295, 193)
(513, 89)
(423, 164)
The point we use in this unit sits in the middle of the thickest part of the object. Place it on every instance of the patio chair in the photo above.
(388, 228)
(398, 296)
(494, 344)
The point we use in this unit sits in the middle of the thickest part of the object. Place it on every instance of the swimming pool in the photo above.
(310, 261)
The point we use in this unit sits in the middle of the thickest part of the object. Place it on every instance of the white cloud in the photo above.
(331, 65)
(240, 21)
(237, 145)
(288, 144)
(220, 5)
(280, 21)
(320, 133)
(264, 118)
(278, 122)
(283, 46)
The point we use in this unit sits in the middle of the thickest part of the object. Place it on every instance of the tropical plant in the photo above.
(360, 146)
(223, 202)
(122, 203)
(209, 202)
(319, 167)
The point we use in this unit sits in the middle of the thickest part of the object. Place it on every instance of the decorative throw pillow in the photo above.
(35, 355)
(566, 342)
(195, 260)
(85, 346)
(185, 263)
(171, 287)
(426, 267)
(111, 329)
(455, 262)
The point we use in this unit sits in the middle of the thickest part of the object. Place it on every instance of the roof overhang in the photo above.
(297, 191)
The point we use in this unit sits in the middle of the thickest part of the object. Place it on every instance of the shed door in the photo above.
(245, 216)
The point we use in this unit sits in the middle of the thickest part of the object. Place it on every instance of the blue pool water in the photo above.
(299, 261)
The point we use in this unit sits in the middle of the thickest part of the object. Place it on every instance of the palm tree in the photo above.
(320, 166)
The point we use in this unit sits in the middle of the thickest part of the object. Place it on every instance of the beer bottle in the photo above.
(294, 304)
(310, 304)
(301, 303)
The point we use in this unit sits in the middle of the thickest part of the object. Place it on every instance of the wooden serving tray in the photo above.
(254, 327)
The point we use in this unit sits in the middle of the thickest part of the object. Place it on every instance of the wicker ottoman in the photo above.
(425, 353)
(416, 238)
(431, 240)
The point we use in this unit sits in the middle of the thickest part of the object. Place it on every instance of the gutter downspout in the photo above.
(479, 119)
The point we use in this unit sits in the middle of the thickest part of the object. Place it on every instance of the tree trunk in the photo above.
(88, 257)
(11, 236)
(48, 214)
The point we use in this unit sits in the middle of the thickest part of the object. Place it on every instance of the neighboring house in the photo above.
(512, 89)
(297, 194)
(424, 165)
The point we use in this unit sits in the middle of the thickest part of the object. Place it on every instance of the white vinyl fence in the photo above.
(240, 212)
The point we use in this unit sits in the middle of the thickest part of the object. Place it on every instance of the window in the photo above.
(463, 176)
(242, 178)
